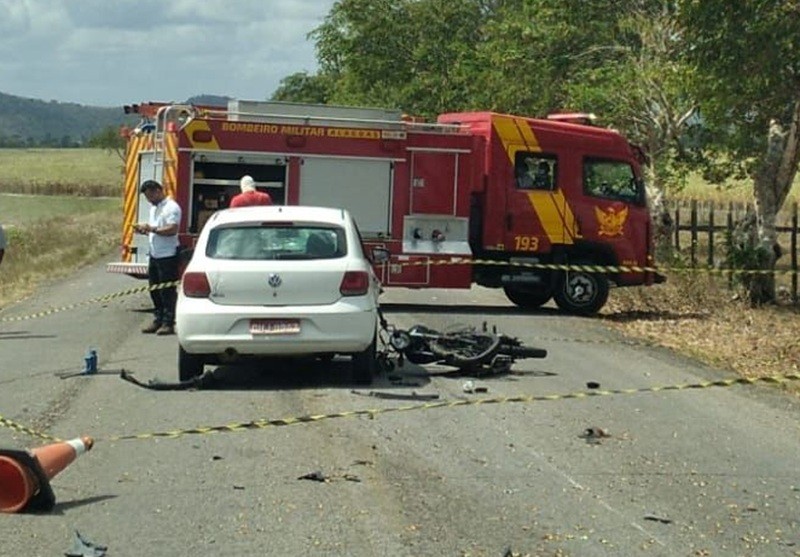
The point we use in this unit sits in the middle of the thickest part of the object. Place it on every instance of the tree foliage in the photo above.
(109, 139)
(750, 84)
(305, 88)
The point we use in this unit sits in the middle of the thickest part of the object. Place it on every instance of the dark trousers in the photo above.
(160, 271)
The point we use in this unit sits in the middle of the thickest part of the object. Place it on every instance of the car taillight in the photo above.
(354, 283)
(195, 285)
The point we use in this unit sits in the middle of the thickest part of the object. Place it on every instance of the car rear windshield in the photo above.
(261, 241)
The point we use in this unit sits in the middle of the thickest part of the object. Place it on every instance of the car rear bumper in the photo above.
(347, 326)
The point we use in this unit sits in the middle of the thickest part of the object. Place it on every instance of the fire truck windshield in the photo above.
(613, 180)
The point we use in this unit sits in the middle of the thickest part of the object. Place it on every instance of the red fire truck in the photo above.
(511, 202)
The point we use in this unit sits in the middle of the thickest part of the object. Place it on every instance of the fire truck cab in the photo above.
(523, 204)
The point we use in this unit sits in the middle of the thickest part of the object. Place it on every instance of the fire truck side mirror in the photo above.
(380, 255)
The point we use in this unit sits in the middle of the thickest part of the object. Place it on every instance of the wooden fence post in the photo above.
(694, 233)
(711, 237)
(728, 236)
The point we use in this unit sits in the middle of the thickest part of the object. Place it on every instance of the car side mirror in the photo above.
(380, 255)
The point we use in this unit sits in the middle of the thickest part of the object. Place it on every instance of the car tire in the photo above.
(189, 365)
(365, 364)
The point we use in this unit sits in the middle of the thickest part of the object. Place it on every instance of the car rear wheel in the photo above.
(365, 364)
(189, 365)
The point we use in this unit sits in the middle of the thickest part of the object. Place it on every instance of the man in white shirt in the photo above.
(162, 230)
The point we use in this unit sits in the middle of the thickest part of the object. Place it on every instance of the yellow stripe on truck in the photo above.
(130, 201)
(555, 215)
(170, 164)
(551, 207)
(201, 125)
(514, 137)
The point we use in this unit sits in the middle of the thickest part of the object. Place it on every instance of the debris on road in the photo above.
(398, 396)
(81, 547)
(656, 518)
(319, 476)
(470, 388)
(157, 385)
(593, 385)
(595, 434)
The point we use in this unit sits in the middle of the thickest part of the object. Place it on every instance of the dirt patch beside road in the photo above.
(699, 316)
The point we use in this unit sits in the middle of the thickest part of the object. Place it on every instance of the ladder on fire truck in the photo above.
(169, 118)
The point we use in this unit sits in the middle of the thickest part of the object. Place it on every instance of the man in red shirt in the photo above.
(249, 195)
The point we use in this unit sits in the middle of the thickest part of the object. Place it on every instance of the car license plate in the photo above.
(274, 326)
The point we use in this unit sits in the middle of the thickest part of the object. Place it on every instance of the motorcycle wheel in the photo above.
(465, 349)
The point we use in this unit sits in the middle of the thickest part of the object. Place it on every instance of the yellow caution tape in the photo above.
(5, 422)
(440, 262)
(98, 300)
(593, 268)
(371, 413)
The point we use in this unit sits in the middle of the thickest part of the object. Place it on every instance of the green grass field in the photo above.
(87, 172)
(20, 210)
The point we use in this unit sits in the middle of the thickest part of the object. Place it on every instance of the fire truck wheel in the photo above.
(581, 293)
(364, 364)
(189, 365)
(530, 297)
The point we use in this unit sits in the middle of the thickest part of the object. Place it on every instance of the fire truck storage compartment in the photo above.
(362, 186)
(434, 178)
(216, 180)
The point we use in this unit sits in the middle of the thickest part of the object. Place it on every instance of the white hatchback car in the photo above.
(278, 281)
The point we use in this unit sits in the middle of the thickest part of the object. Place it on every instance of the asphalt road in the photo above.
(691, 472)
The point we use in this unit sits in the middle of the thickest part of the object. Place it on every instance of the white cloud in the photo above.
(113, 52)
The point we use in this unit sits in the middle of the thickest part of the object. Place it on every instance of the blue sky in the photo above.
(115, 52)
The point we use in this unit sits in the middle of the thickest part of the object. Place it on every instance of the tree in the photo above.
(110, 139)
(304, 88)
(416, 55)
(638, 82)
(747, 57)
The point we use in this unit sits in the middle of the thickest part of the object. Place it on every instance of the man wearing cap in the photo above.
(250, 195)
(162, 230)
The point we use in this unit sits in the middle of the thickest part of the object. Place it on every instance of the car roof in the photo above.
(280, 212)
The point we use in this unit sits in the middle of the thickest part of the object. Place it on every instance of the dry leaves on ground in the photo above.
(700, 316)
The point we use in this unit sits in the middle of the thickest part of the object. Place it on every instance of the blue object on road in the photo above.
(90, 362)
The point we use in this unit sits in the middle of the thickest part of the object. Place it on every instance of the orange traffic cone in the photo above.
(25, 475)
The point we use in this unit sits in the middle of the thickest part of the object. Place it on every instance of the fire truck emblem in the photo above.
(612, 220)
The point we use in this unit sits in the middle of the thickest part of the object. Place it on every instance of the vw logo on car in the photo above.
(275, 280)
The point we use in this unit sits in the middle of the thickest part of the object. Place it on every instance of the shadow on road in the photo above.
(283, 374)
(646, 315)
(21, 335)
(61, 507)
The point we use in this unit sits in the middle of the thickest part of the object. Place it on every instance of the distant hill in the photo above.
(28, 122)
